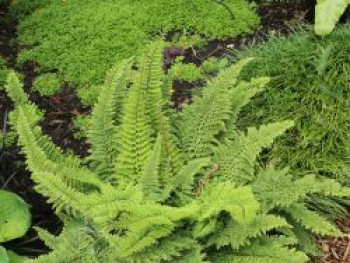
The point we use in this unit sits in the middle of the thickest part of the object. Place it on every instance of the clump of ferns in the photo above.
(161, 186)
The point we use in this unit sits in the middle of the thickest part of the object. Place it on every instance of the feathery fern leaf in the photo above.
(264, 251)
(312, 221)
(237, 157)
(237, 235)
(149, 179)
(102, 133)
(204, 119)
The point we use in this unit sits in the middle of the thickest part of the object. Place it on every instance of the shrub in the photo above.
(82, 41)
(310, 84)
(165, 188)
(47, 84)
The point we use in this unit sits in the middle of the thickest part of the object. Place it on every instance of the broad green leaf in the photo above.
(15, 218)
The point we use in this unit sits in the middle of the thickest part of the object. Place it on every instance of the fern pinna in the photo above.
(179, 189)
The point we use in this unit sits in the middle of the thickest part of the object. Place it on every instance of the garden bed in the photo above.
(61, 109)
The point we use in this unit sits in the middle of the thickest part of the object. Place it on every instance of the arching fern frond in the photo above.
(237, 157)
(237, 235)
(102, 131)
(74, 244)
(312, 220)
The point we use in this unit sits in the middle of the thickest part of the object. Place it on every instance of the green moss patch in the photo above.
(84, 39)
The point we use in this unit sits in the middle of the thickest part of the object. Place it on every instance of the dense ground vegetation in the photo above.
(131, 149)
(157, 190)
(310, 80)
(83, 41)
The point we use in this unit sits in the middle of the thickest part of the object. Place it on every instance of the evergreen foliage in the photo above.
(154, 189)
(82, 41)
(310, 84)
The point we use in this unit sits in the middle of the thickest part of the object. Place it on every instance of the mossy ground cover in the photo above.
(310, 84)
(83, 41)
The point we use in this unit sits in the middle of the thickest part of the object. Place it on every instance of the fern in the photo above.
(150, 194)
(237, 157)
(328, 12)
(102, 131)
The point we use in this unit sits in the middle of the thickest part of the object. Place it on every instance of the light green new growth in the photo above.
(158, 191)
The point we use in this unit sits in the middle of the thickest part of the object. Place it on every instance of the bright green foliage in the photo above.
(327, 15)
(156, 195)
(3, 72)
(191, 72)
(310, 84)
(8, 256)
(188, 72)
(82, 41)
(15, 218)
(47, 84)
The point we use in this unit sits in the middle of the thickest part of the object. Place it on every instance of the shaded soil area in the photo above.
(60, 110)
(337, 249)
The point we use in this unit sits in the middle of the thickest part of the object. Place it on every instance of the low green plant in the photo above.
(15, 220)
(309, 83)
(47, 84)
(83, 41)
(187, 72)
(3, 72)
(161, 187)
(191, 72)
(328, 13)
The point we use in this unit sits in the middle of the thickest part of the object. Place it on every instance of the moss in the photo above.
(83, 40)
(310, 83)
(47, 84)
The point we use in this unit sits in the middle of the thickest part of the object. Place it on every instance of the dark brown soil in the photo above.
(61, 108)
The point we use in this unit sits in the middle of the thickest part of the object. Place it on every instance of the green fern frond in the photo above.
(102, 132)
(149, 78)
(172, 157)
(263, 251)
(200, 122)
(183, 184)
(238, 202)
(237, 235)
(149, 179)
(14, 89)
(312, 220)
(173, 248)
(241, 95)
(271, 185)
(135, 142)
(74, 244)
(237, 157)
(140, 117)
